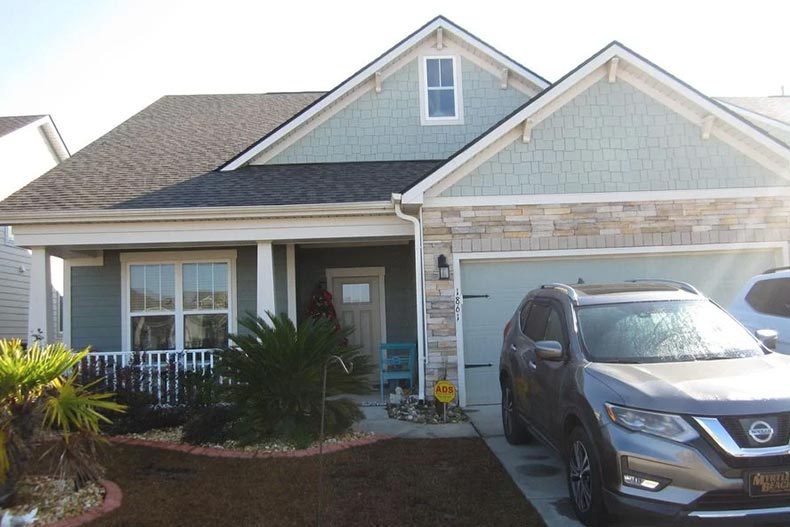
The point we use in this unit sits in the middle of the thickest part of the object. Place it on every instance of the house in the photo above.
(427, 192)
(29, 146)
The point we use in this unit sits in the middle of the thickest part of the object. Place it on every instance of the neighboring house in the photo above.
(29, 146)
(442, 150)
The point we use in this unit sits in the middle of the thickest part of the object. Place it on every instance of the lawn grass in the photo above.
(398, 482)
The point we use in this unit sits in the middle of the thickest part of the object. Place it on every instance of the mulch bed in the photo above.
(409, 482)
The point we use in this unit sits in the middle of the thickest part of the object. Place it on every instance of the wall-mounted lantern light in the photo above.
(444, 269)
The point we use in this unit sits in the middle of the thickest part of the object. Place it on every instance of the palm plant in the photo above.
(38, 393)
(276, 378)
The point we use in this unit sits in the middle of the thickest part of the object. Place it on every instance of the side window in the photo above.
(536, 321)
(554, 328)
(771, 297)
(523, 316)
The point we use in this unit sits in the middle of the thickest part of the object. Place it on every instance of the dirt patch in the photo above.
(436, 482)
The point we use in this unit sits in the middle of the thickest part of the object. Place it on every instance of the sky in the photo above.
(93, 63)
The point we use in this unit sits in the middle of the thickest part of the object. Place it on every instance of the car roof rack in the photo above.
(565, 288)
(685, 286)
(776, 269)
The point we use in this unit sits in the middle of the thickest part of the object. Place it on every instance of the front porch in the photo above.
(166, 308)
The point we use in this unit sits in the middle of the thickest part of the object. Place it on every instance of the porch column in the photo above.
(39, 319)
(265, 280)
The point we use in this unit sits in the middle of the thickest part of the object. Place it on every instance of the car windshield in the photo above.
(663, 331)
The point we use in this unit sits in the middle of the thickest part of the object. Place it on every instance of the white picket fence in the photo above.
(158, 372)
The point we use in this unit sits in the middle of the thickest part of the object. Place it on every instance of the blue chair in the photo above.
(397, 362)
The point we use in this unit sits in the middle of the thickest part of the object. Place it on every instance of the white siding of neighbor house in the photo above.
(14, 287)
(25, 155)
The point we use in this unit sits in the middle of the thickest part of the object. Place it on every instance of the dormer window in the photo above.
(440, 95)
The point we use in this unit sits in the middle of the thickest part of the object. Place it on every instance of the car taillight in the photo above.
(507, 328)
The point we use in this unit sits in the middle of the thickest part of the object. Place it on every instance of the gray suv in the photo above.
(660, 402)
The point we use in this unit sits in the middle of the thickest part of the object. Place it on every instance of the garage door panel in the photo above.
(719, 274)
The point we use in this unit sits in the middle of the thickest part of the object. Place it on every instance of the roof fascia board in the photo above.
(545, 98)
(365, 74)
(606, 197)
(750, 114)
(425, 49)
(721, 133)
(416, 193)
(202, 213)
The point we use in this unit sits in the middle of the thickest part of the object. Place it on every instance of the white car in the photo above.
(765, 304)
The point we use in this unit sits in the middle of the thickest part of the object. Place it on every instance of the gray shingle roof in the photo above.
(776, 107)
(288, 185)
(175, 139)
(14, 122)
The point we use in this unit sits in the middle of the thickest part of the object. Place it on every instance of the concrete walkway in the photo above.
(537, 470)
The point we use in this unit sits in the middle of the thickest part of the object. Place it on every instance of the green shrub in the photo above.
(276, 378)
(39, 392)
(211, 424)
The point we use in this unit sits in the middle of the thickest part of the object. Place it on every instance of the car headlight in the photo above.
(667, 426)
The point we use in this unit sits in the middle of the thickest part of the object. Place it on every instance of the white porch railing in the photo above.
(167, 375)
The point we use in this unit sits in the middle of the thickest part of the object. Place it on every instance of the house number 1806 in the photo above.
(458, 301)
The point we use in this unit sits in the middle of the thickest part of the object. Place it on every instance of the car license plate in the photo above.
(769, 483)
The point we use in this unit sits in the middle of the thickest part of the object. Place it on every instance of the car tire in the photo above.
(515, 431)
(584, 479)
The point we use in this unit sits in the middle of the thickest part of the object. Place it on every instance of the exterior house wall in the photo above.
(96, 310)
(26, 154)
(399, 287)
(450, 231)
(14, 288)
(386, 126)
(96, 305)
(613, 138)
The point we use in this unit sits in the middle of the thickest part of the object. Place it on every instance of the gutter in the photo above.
(419, 279)
(195, 214)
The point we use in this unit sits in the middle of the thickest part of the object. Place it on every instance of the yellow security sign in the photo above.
(444, 391)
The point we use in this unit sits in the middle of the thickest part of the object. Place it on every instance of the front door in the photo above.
(358, 304)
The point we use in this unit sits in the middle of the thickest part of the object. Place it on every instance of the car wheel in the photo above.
(515, 431)
(584, 479)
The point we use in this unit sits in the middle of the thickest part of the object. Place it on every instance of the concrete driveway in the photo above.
(535, 468)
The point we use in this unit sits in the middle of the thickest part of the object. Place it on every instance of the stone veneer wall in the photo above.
(578, 226)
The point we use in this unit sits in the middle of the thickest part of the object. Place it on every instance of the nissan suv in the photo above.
(660, 403)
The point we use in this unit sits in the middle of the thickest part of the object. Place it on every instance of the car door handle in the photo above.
(513, 347)
(532, 365)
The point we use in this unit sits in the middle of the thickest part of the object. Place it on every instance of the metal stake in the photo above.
(348, 370)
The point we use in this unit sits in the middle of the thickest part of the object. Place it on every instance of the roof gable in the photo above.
(616, 63)
(437, 29)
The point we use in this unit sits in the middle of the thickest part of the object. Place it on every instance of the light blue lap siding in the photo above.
(96, 311)
(613, 138)
(386, 126)
(96, 305)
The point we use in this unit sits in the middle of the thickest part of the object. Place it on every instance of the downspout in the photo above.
(419, 279)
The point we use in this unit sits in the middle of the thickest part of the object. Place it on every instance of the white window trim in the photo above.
(8, 235)
(425, 119)
(177, 259)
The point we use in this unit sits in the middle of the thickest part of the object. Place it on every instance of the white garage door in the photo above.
(720, 275)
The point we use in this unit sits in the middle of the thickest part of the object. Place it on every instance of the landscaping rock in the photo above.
(410, 410)
(55, 499)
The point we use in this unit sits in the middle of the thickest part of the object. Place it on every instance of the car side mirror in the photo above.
(768, 337)
(548, 350)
